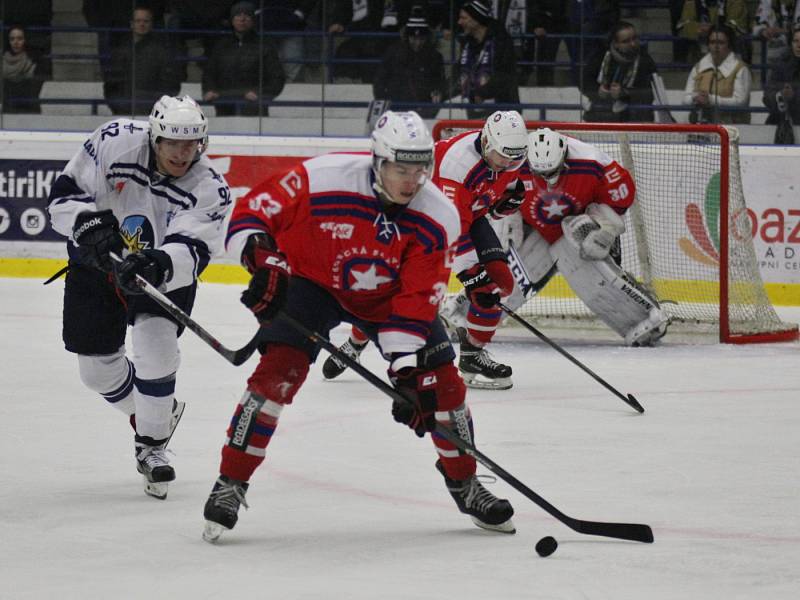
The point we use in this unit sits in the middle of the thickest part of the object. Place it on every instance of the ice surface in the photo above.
(348, 504)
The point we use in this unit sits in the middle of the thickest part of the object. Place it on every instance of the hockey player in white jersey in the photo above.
(144, 191)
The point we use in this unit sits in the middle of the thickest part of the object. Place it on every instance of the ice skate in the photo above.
(153, 463)
(333, 367)
(222, 507)
(480, 371)
(485, 510)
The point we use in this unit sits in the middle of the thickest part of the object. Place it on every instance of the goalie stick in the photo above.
(235, 357)
(630, 400)
(624, 531)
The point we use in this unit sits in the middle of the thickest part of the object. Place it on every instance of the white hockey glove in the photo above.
(594, 231)
(509, 230)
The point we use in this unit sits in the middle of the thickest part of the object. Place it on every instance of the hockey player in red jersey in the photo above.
(380, 260)
(482, 171)
(572, 219)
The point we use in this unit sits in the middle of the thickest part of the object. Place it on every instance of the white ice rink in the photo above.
(348, 504)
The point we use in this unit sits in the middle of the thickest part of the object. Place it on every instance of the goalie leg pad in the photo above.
(279, 375)
(609, 292)
(454, 310)
(532, 267)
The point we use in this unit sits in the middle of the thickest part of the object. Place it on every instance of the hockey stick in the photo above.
(629, 399)
(235, 357)
(623, 531)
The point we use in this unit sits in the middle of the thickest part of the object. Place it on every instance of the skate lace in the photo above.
(229, 496)
(485, 359)
(478, 497)
(157, 457)
(349, 350)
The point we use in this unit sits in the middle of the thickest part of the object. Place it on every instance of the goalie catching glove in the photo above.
(418, 387)
(266, 293)
(594, 231)
(97, 235)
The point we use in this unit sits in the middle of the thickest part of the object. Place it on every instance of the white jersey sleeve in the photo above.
(83, 180)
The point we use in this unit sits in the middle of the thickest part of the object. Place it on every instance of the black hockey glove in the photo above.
(97, 235)
(509, 202)
(153, 265)
(480, 288)
(266, 293)
(418, 387)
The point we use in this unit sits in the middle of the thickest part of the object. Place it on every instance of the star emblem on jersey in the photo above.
(552, 207)
(369, 279)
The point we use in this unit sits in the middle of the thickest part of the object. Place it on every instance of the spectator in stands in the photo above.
(773, 22)
(143, 68)
(361, 16)
(412, 70)
(720, 80)
(21, 82)
(620, 77)
(782, 92)
(487, 64)
(34, 16)
(243, 72)
(553, 17)
(698, 16)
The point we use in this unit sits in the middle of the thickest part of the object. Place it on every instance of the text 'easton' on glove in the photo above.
(418, 387)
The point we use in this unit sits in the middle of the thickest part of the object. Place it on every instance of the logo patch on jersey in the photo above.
(367, 274)
(137, 233)
(339, 231)
(119, 186)
(552, 207)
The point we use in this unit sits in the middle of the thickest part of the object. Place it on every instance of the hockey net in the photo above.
(688, 235)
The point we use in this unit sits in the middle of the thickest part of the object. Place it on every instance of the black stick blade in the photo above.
(634, 532)
(635, 403)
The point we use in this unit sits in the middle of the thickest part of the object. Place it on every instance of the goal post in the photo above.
(688, 234)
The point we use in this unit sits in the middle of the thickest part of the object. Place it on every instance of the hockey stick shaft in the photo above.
(630, 400)
(625, 531)
(235, 357)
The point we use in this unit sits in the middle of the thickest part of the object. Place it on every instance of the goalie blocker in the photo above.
(606, 289)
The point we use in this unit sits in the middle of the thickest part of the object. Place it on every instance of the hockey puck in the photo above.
(546, 546)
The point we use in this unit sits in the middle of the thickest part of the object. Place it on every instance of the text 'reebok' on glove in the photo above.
(154, 266)
(594, 231)
(266, 293)
(510, 201)
(418, 388)
(97, 236)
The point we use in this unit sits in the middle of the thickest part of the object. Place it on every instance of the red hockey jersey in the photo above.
(326, 218)
(590, 176)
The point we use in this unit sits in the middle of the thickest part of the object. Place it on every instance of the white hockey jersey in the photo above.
(115, 169)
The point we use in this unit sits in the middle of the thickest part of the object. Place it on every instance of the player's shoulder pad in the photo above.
(121, 139)
(438, 213)
(346, 171)
(580, 150)
(460, 158)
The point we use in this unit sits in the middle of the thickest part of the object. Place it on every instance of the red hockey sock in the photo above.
(358, 336)
(453, 413)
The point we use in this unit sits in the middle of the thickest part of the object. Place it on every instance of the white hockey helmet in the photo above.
(401, 137)
(547, 150)
(505, 133)
(176, 118)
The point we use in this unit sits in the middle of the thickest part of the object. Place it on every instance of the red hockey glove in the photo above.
(480, 288)
(510, 201)
(418, 387)
(266, 293)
